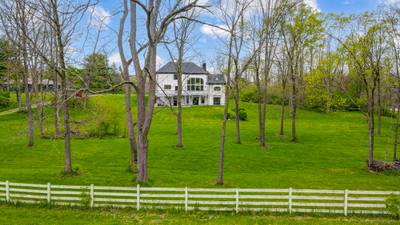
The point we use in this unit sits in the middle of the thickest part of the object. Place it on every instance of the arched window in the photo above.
(195, 84)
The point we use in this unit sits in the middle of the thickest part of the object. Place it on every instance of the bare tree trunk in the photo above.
(396, 134)
(57, 132)
(142, 163)
(379, 106)
(56, 106)
(22, 17)
(67, 130)
(293, 103)
(260, 111)
(41, 110)
(131, 131)
(18, 93)
(38, 101)
(179, 101)
(87, 86)
(220, 180)
(371, 129)
(264, 109)
(238, 141)
(134, 154)
(63, 68)
(283, 98)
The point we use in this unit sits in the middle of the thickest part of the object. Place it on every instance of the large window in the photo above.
(217, 100)
(195, 84)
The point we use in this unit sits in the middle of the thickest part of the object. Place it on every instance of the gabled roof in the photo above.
(216, 79)
(187, 67)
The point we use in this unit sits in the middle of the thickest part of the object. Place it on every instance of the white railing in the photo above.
(209, 199)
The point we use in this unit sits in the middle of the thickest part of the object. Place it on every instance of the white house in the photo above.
(199, 86)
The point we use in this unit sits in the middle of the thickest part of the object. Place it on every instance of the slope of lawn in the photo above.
(331, 153)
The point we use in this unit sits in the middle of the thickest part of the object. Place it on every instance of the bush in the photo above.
(393, 205)
(5, 99)
(242, 114)
(249, 95)
(105, 121)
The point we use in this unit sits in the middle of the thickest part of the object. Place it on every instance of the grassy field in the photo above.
(331, 153)
(43, 215)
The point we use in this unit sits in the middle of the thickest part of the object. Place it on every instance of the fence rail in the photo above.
(233, 199)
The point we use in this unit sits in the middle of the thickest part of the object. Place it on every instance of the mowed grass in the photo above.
(331, 152)
(44, 215)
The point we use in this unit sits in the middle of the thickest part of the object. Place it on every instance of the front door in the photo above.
(195, 100)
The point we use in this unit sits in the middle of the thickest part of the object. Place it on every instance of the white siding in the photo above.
(208, 92)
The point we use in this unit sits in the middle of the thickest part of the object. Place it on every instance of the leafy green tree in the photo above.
(302, 30)
(323, 91)
(98, 74)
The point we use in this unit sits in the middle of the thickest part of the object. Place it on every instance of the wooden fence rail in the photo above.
(234, 199)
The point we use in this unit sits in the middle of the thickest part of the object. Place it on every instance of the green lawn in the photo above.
(43, 215)
(331, 153)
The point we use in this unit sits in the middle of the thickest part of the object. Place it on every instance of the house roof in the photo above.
(216, 79)
(187, 67)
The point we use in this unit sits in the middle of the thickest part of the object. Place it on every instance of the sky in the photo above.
(206, 44)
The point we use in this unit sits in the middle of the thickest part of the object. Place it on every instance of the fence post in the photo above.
(7, 191)
(91, 195)
(48, 193)
(186, 199)
(138, 197)
(237, 200)
(346, 196)
(290, 200)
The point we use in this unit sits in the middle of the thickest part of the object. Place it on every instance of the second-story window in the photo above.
(217, 88)
(167, 87)
(195, 84)
(175, 76)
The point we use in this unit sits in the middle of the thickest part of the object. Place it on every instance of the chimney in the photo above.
(205, 66)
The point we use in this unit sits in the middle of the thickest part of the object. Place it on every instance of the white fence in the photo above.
(209, 199)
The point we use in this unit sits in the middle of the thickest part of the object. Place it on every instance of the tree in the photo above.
(22, 33)
(156, 26)
(181, 35)
(365, 55)
(303, 29)
(127, 87)
(273, 13)
(231, 21)
(394, 37)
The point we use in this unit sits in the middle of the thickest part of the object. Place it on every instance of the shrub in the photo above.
(105, 121)
(242, 114)
(249, 95)
(5, 99)
(393, 205)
